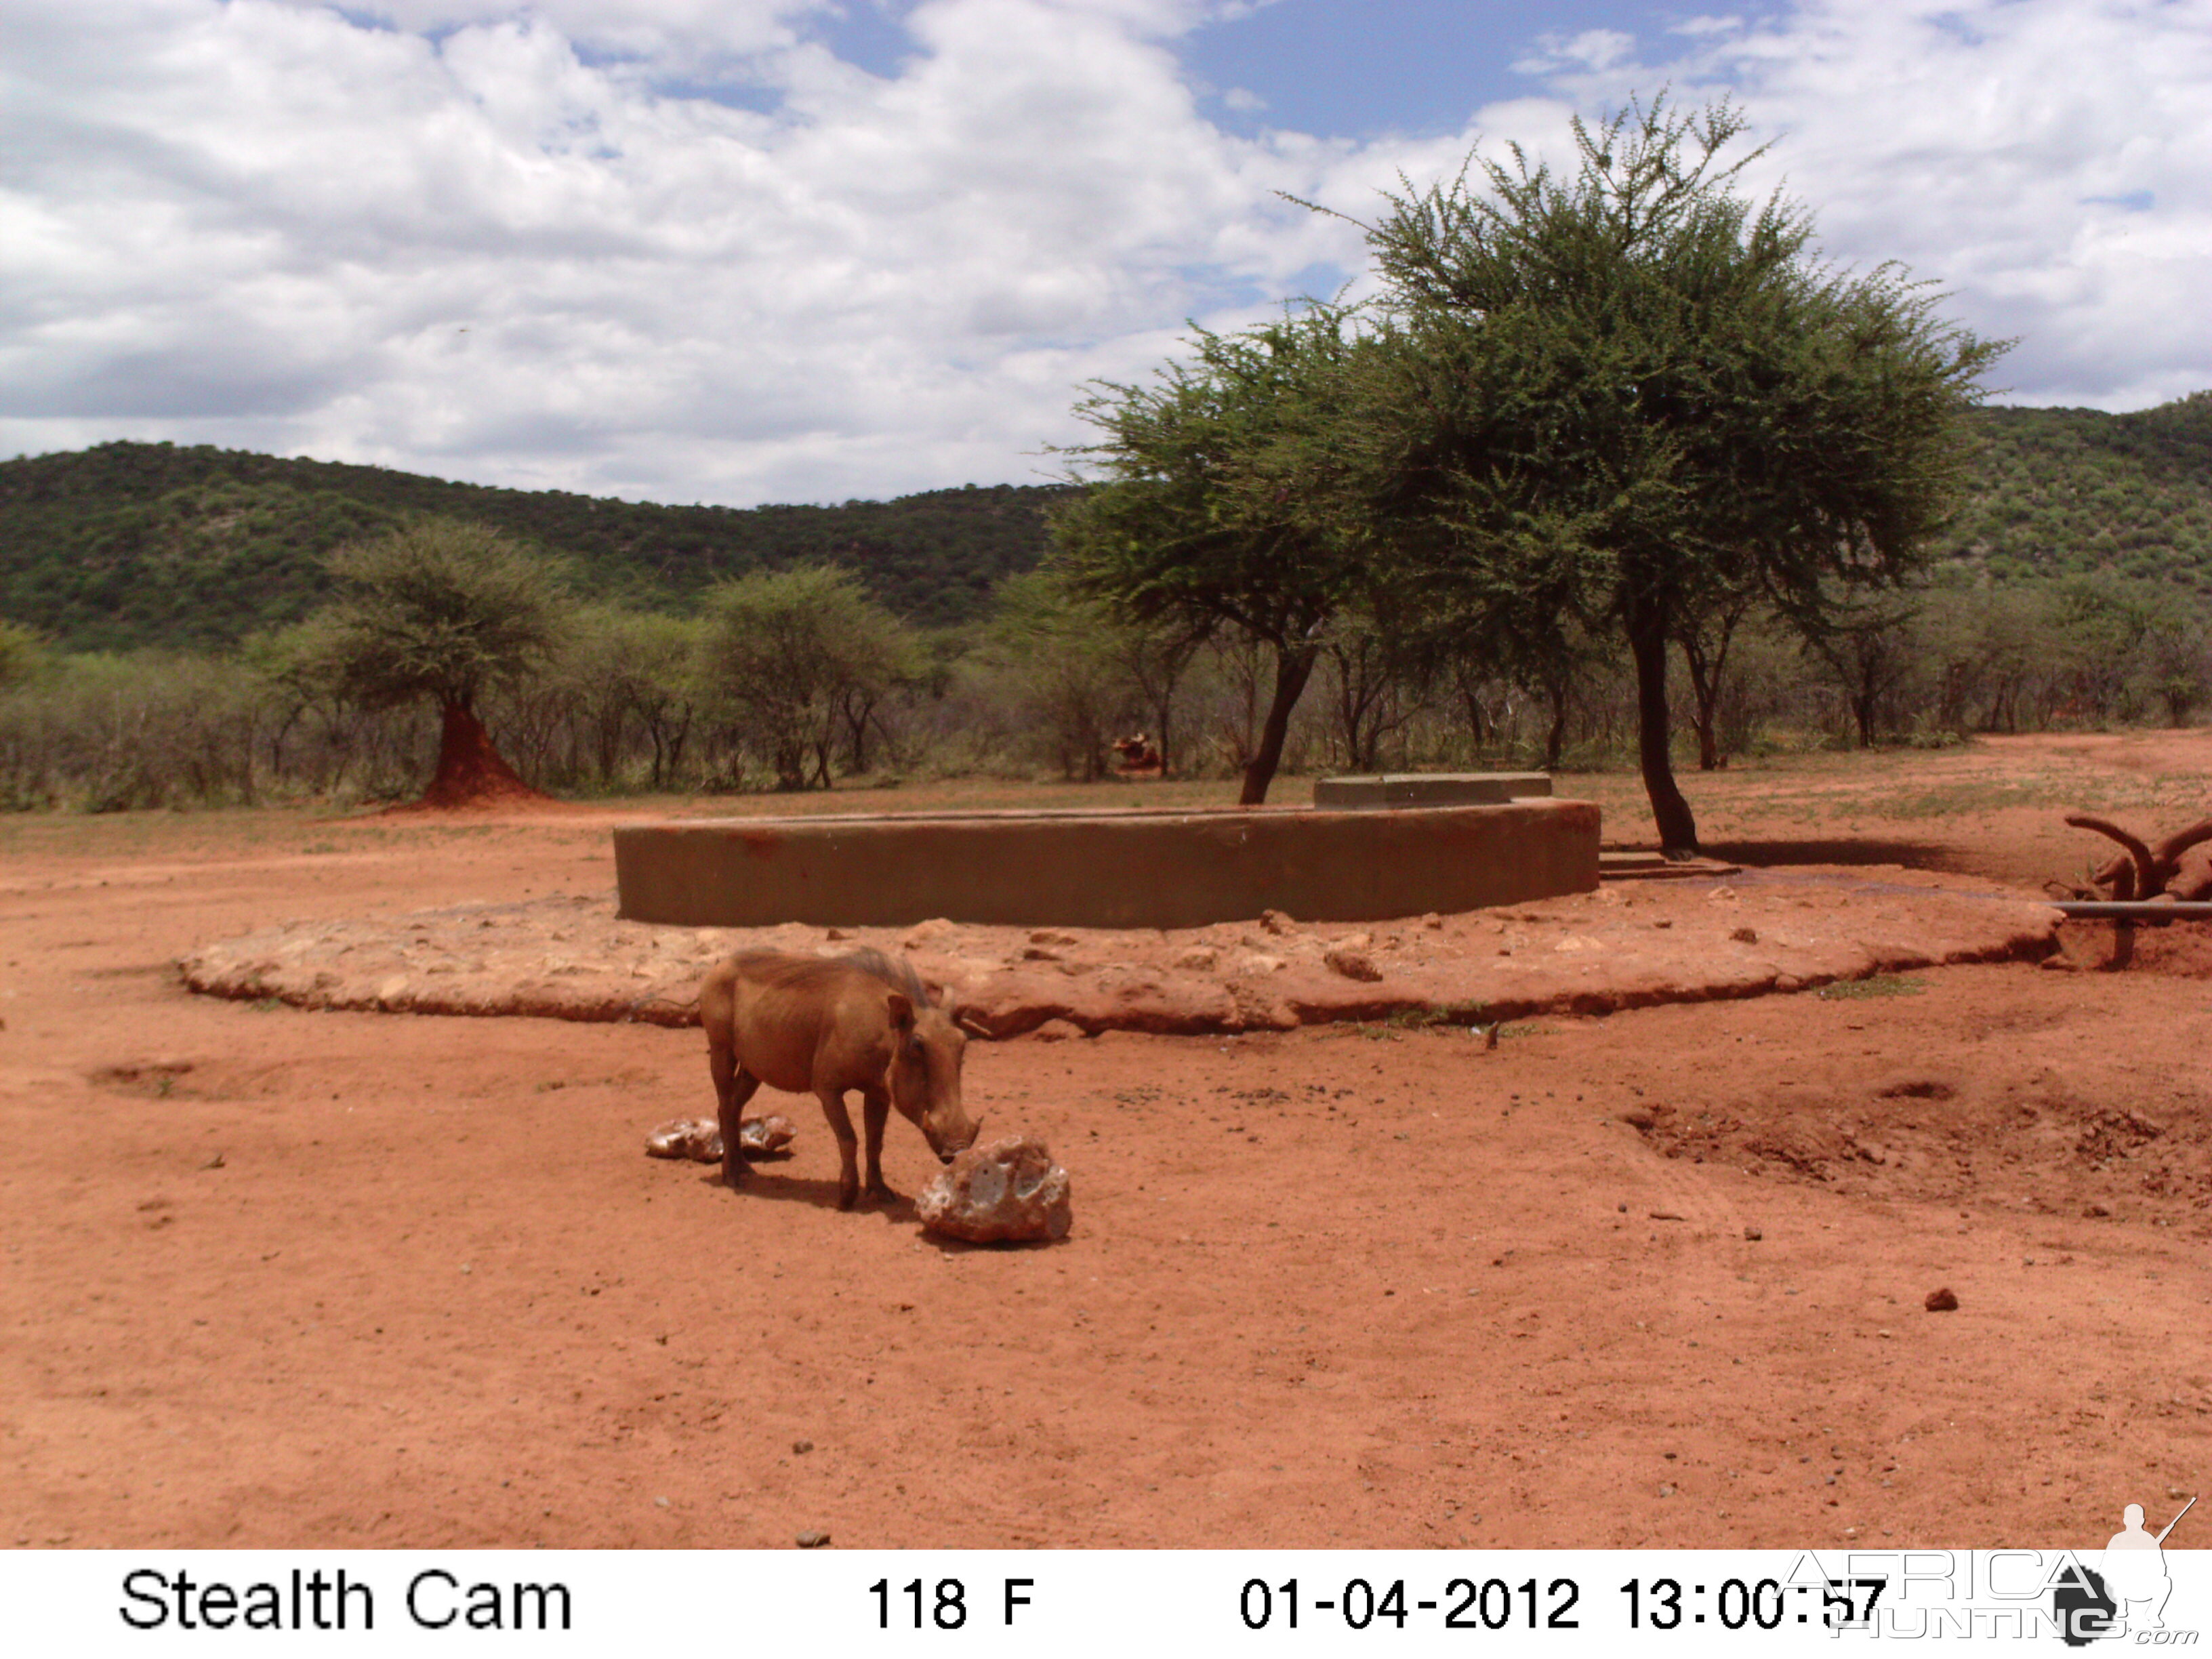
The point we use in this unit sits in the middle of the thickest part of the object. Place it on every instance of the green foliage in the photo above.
(1226, 498)
(20, 654)
(1221, 496)
(795, 661)
(441, 609)
(129, 545)
(1633, 395)
(1054, 659)
(2074, 491)
(1862, 990)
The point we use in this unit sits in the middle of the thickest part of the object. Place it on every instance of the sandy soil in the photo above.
(275, 1277)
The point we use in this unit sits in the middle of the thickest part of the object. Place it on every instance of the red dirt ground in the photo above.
(284, 1278)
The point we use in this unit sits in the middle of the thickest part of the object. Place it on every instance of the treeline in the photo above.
(131, 545)
(799, 680)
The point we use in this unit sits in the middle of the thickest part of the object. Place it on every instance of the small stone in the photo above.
(802, 1447)
(834, 933)
(1201, 959)
(1351, 964)
(1275, 921)
(699, 1138)
(812, 1540)
(1432, 920)
(1753, 1233)
(1943, 1301)
(1048, 937)
(761, 1137)
(2095, 1211)
(1057, 1031)
(1745, 935)
(1007, 1189)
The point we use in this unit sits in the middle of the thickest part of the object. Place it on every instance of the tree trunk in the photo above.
(469, 770)
(1293, 668)
(1704, 703)
(1555, 740)
(1678, 827)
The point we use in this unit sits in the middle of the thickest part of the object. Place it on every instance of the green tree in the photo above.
(20, 655)
(443, 610)
(1223, 498)
(1055, 655)
(1622, 389)
(796, 660)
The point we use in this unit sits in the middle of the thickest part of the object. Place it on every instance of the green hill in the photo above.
(2060, 491)
(132, 544)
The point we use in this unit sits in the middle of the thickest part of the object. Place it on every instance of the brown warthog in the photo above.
(826, 1024)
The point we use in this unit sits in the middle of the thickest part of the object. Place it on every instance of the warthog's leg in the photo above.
(848, 1147)
(875, 1111)
(733, 1087)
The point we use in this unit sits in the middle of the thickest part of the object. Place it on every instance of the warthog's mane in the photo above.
(899, 976)
(792, 970)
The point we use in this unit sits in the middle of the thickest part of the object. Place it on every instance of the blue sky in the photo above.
(789, 250)
(1330, 68)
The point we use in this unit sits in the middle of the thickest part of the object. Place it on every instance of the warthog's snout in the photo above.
(948, 1143)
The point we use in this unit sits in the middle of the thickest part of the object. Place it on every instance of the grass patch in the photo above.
(1882, 985)
(1452, 1013)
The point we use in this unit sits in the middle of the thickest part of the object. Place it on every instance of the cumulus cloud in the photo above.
(446, 237)
(2048, 163)
(678, 249)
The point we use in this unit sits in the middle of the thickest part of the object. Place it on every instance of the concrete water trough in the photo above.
(1155, 868)
(1367, 791)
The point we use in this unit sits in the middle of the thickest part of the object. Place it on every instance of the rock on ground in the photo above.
(700, 1139)
(1008, 1190)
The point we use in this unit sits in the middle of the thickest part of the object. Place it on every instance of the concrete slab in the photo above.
(1161, 868)
(1388, 789)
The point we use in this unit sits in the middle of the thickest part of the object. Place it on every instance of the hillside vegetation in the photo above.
(2072, 491)
(129, 544)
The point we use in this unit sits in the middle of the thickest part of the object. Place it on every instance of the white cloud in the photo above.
(1593, 49)
(2047, 162)
(488, 255)
(676, 249)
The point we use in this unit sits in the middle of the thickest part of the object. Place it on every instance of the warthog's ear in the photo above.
(902, 1011)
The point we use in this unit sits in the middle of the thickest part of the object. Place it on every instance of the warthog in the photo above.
(826, 1024)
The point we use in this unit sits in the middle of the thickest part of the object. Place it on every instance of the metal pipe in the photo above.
(2134, 909)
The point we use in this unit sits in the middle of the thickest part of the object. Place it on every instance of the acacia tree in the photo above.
(1223, 499)
(793, 659)
(444, 609)
(1625, 389)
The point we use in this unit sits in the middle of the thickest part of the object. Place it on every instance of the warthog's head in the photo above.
(927, 1049)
